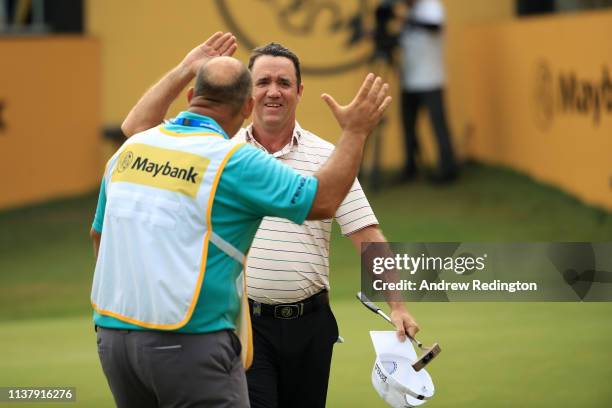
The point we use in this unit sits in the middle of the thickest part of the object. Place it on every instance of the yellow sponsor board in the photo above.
(330, 37)
(49, 118)
(167, 169)
(538, 97)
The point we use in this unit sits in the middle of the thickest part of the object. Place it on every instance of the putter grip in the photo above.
(367, 303)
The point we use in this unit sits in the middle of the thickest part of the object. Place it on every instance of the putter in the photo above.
(429, 353)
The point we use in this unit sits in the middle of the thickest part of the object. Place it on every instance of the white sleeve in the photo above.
(355, 212)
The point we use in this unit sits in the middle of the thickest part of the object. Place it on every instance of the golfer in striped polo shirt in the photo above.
(294, 329)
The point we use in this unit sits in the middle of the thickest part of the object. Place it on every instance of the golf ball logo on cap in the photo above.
(125, 161)
(390, 366)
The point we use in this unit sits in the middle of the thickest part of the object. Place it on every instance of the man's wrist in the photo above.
(183, 72)
(354, 138)
(397, 306)
(358, 134)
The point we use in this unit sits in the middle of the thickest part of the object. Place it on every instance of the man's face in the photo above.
(275, 92)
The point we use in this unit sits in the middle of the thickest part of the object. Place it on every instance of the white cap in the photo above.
(393, 376)
(428, 12)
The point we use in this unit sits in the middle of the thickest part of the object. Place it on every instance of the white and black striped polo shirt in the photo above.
(289, 262)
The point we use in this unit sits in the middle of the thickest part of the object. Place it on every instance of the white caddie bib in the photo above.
(160, 192)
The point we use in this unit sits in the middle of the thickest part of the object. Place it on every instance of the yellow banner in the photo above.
(330, 37)
(49, 118)
(538, 97)
(151, 166)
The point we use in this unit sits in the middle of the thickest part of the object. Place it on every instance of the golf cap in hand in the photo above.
(393, 377)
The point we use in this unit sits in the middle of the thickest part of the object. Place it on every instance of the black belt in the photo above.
(290, 310)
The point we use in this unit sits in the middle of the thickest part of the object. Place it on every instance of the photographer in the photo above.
(422, 77)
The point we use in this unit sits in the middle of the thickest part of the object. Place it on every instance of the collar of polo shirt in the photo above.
(295, 139)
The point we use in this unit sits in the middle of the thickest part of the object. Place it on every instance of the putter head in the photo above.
(431, 353)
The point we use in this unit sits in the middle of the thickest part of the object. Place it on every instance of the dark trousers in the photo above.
(291, 360)
(434, 102)
(164, 369)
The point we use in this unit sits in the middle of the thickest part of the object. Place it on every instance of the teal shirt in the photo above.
(252, 185)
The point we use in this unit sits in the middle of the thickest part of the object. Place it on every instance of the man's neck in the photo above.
(219, 116)
(272, 139)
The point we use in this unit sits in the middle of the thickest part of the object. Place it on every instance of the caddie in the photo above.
(178, 209)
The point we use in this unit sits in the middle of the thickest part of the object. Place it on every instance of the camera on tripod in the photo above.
(384, 40)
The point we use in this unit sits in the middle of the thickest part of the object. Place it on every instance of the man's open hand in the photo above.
(219, 44)
(365, 110)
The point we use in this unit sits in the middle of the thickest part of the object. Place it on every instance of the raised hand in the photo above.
(153, 106)
(365, 110)
(217, 45)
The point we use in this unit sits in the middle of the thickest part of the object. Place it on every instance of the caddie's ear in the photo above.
(247, 108)
(190, 94)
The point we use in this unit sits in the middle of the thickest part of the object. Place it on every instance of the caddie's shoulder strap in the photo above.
(243, 324)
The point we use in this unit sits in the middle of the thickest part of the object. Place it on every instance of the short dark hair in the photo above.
(233, 94)
(277, 50)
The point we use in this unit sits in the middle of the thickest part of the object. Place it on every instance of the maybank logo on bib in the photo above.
(172, 170)
(155, 169)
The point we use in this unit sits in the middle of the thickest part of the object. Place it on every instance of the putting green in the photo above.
(58, 352)
(494, 355)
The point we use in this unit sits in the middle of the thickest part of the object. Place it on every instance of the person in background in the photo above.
(422, 77)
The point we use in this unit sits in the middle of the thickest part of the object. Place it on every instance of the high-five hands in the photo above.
(219, 44)
(365, 110)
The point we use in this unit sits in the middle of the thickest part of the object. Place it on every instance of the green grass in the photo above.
(53, 352)
(486, 205)
(46, 259)
(494, 354)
